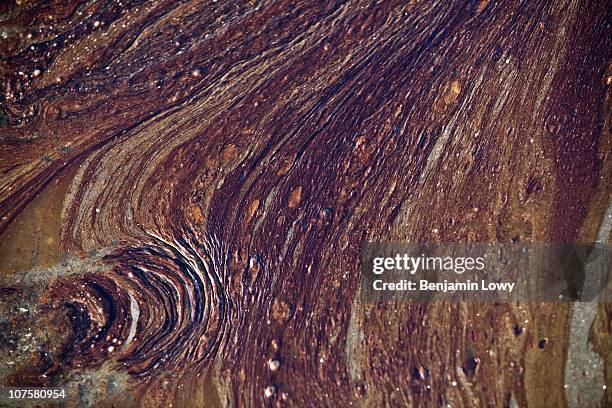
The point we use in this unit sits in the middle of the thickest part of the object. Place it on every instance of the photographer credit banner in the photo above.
(485, 272)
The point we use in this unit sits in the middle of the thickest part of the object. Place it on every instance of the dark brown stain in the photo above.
(185, 187)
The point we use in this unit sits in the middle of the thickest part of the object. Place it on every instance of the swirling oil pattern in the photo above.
(185, 187)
